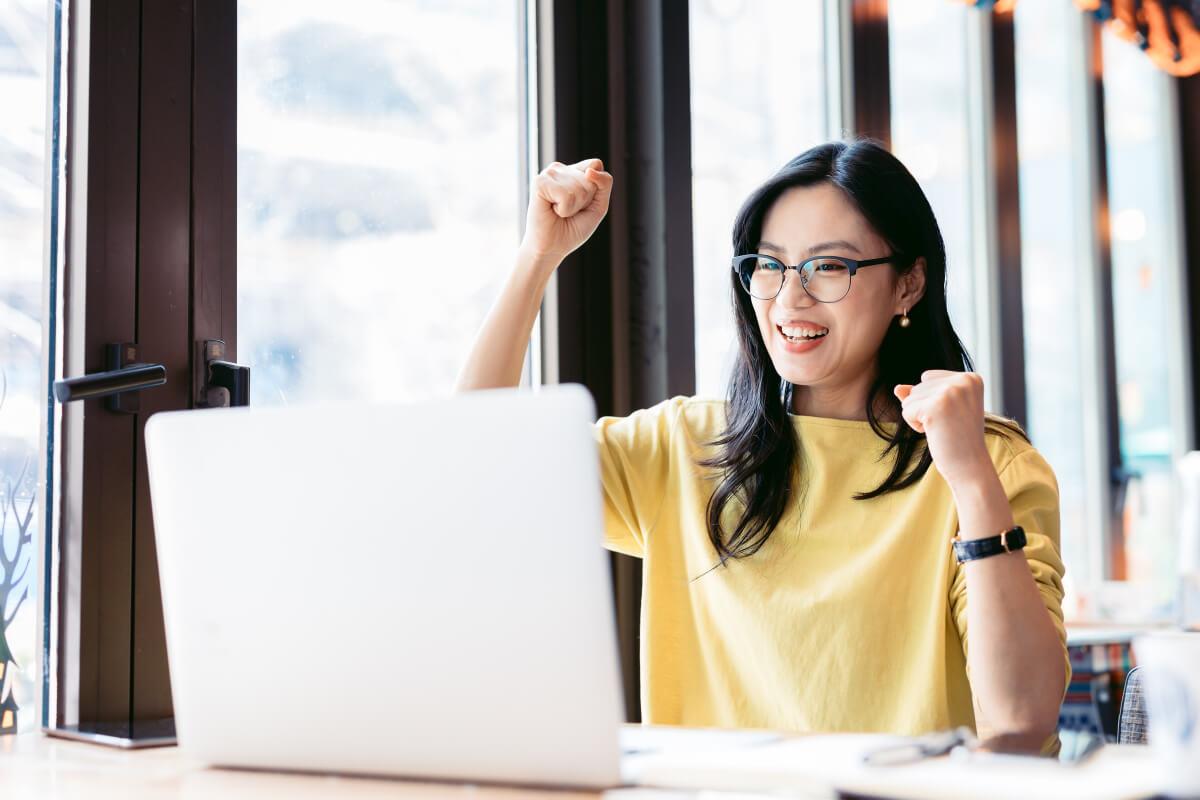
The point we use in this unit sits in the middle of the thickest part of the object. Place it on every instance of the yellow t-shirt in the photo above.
(852, 617)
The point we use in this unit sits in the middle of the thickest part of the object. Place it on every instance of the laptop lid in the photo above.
(414, 590)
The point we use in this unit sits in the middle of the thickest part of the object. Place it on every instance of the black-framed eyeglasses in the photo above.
(826, 279)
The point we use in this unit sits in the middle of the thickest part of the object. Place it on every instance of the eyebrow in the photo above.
(837, 244)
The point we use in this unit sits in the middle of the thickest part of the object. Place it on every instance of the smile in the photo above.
(801, 334)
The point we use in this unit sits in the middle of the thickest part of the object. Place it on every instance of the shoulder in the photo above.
(702, 417)
(1013, 454)
(697, 418)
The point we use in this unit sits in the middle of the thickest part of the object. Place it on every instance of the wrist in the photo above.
(971, 474)
(532, 261)
(981, 502)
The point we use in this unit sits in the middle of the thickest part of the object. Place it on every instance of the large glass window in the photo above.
(22, 395)
(1053, 268)
(757, 78)
(378, 184)
(931, 135)
(1139, 120)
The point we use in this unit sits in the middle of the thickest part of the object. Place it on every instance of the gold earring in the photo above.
(904, 320)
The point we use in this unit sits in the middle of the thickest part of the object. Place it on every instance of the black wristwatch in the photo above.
(1005, 542)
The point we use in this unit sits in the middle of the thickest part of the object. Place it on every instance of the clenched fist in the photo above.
(947, 407)
(566, 204)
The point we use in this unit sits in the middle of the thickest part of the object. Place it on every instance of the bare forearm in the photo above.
(499, 350)
(566, 204)
(1014, 654)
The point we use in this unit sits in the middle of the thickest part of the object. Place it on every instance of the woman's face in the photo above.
(821, 220)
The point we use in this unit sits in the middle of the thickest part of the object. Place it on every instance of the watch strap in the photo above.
(1003, 542)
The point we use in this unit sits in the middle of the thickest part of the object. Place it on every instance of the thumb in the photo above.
(902, 390)
(603, 182)
(589, 163)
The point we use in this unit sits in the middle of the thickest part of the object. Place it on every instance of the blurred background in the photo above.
(384, 143)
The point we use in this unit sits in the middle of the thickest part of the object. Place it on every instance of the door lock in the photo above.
(221, 383)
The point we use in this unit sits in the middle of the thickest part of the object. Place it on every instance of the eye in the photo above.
(828, 266)
(767, 265)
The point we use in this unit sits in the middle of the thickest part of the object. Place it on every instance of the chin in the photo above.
(800, 375)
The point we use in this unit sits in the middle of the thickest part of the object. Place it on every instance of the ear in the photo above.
(911, 286)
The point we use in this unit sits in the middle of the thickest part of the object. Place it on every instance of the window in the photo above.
(1068, 322)
(757, 76)
(931, 135)
(378, 178)
(1053, 266)
(1147, 292)
(23, 37)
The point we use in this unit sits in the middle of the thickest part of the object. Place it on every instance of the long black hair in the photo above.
(757, 458)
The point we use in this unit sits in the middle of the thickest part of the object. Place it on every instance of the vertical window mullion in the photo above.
(985, 282)
(529, 161)
(1094, 280)
(995, 210)
(870, 57)
(839, 68)
(1179, 343)
(1188, 108)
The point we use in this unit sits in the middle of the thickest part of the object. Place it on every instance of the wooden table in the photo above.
(36, 766)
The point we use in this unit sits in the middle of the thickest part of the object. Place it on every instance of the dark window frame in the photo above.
(150, 257)
(623, 306)
(1188, 90)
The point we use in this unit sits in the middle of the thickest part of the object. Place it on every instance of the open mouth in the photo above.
(802, 334)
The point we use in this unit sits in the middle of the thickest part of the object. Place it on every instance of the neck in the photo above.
(846, 400)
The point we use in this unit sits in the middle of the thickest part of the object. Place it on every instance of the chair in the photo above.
(1131, 721)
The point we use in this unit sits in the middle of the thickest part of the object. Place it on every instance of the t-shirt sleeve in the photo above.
(1032, 492)
(635, 462)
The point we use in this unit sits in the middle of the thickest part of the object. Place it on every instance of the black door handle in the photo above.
(118, 384)
(220, 383)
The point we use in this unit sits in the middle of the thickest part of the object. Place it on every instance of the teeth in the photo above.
(803, 333)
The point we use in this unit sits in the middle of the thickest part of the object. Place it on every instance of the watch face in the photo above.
(1014, 538)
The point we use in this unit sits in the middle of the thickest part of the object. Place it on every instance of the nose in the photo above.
(793, 295)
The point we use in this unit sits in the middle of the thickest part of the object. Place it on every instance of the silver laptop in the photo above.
(409, 590)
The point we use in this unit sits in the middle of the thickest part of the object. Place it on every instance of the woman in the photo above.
(799, 572)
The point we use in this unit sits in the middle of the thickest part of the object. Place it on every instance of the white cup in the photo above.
(1171, 664)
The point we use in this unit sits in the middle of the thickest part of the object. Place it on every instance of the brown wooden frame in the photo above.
(149, 258)
(1010, 327)
(871, 71)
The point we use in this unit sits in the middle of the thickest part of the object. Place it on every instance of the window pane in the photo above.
(1050, 218)
(757, 78)
(930, 133)
(377, 192)
(22, 395)
(1137, 117)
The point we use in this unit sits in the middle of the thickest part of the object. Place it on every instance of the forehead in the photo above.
(805, 216)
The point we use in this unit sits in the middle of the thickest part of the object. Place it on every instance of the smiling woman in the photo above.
(798, 564)
(840, 202)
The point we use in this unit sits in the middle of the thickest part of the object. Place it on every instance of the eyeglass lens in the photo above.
(825, 279)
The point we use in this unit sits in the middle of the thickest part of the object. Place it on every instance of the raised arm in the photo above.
(566, 204)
